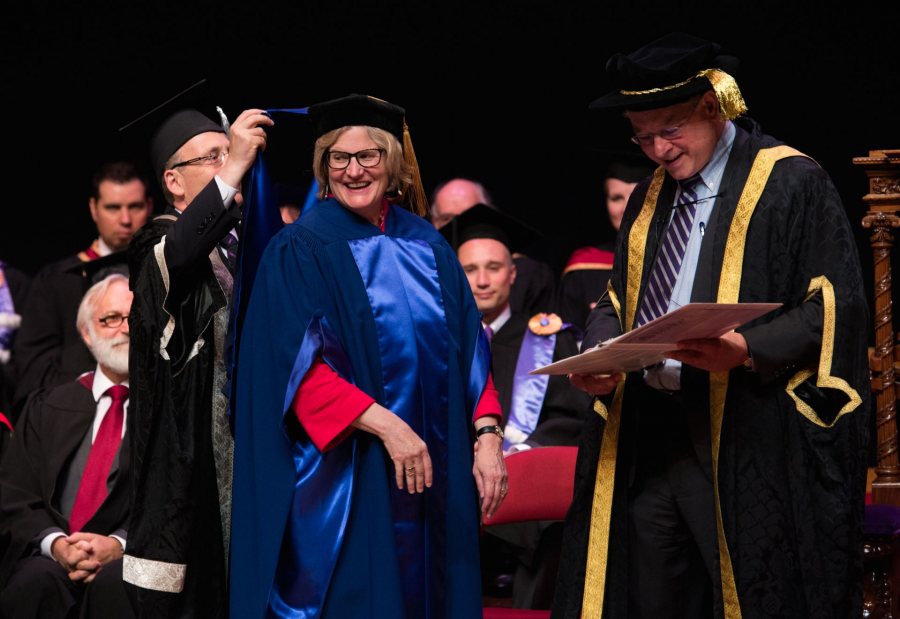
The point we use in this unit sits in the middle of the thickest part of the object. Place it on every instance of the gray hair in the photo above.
(92, 297)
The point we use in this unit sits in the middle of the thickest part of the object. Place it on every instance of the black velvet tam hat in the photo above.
(364, 110)
(488, 222)
(166, 127)
(670, 70)
(354, 110)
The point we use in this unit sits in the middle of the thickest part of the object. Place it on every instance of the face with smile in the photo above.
(491, 274)
(360, 189)
(697, 125)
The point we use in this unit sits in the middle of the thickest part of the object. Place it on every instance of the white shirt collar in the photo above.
(103, 248)
(500, 320)
(102, 383)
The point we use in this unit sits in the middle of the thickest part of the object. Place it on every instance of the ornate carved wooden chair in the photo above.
(881, 544)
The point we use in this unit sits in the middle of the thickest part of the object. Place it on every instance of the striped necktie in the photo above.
(670, 254)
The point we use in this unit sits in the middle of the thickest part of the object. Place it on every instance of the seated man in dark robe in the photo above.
(537, 410)
(535, 287)
(65, 481)
(48, 348)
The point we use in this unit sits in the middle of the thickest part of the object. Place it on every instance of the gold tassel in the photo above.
(415, 194)
(727, 92)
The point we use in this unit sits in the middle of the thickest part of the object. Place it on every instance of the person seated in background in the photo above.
(587, 270)
(48, 348)
(537, 410)
(535, 289)
(64, 481)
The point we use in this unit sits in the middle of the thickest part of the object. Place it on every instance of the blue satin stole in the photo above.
(528, 391)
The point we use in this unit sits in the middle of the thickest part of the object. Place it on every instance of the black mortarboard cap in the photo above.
(365, 110)
(667, 71)
(488, 222)
(627, 166)
(356, 110)
(95, 270)
(165, 128)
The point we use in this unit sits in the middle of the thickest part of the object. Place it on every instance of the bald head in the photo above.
(454, 197)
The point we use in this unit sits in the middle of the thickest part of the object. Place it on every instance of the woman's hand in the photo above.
(409, 453)
(490, 472)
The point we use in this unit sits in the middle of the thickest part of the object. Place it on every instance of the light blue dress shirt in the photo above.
(668, 376)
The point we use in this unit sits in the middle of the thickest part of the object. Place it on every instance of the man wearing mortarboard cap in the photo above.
(728, 481)
(538, 411)
(181, 276)
(535, 286)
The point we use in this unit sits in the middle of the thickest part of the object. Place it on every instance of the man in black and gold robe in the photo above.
(728, 481)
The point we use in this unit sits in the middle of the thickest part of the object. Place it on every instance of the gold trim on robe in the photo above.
(824, 378)
(728, 292)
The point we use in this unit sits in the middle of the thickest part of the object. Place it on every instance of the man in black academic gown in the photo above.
(728, 481)
(62, 541)
(485, 239)
(48, 348)
(535, 290)
(181, 272)
(538, 411)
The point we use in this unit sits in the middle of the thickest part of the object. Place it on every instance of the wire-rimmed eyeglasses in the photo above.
(214, 158)
(670, 133)
(367, 158)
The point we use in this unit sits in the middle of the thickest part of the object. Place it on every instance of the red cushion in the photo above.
(541, 482)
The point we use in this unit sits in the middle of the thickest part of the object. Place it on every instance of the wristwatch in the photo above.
(489, 430)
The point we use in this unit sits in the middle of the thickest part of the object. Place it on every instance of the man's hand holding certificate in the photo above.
(696, 334)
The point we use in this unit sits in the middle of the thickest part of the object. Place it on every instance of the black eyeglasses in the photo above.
(367, 158)
(215, 158)
(111, 321)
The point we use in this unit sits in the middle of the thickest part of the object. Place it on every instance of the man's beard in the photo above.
(111, 353)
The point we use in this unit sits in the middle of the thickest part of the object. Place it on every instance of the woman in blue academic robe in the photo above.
(363, 383)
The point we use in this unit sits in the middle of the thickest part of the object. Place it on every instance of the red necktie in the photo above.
(92, 489)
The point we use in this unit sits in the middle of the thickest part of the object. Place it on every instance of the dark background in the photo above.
(493, 91)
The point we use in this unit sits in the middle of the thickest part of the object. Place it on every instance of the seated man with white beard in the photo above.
(64, 481)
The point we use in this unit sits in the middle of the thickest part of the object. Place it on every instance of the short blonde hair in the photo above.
(398, 171)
